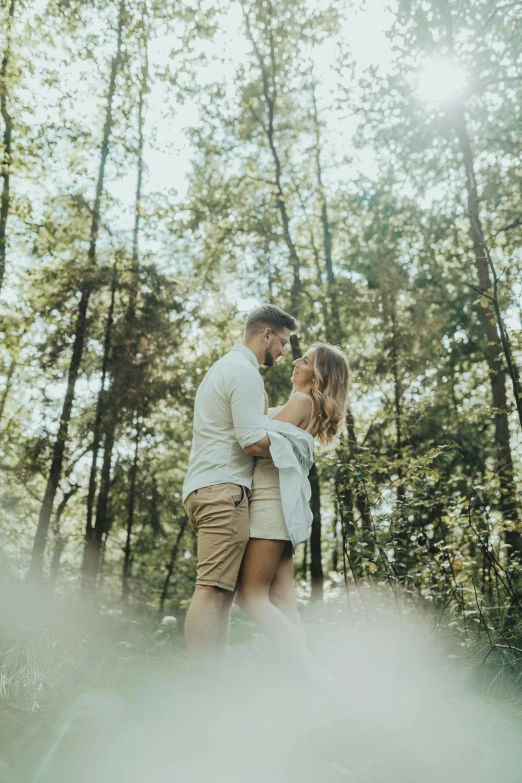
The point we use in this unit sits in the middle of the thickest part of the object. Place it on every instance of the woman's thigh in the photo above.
(260, 564)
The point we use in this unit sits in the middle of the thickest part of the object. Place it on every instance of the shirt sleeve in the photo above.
(247, 404)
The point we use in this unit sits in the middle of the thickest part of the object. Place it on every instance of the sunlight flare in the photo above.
(441, 81)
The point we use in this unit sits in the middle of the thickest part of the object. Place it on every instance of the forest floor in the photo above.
(105, 695)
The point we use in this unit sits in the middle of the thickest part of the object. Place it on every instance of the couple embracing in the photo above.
(246, 490)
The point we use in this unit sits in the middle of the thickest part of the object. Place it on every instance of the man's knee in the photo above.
(212, 594)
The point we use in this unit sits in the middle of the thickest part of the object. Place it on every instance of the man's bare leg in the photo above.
(226, 608)
(206, 624)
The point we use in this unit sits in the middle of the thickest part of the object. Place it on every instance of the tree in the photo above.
(81, 320)
(7, 138)
(426, 144)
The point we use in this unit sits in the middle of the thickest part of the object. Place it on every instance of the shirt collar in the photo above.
(247, 353)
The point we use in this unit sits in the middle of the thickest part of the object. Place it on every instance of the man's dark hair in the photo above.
(272, 316)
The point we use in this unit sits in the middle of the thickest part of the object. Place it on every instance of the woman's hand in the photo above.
(266, 403)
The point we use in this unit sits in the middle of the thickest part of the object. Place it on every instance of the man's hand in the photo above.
(266, 403)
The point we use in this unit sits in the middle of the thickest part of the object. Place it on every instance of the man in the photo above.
(229, 432)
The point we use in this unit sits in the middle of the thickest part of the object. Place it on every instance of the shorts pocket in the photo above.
(238, 501)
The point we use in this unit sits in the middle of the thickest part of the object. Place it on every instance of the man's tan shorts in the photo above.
(219, 517)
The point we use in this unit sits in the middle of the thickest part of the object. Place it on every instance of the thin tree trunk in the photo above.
(494, 350)
(401, 535)
(304, 564)
(332, 324)
(92, 558)
(131, 314)
(316, 565)
(7, 143)
(89, 530)
(361, 496)
(59, 540)
(36, 569)
(334, 328)
(171, 564)
(121, 391)
(335, 548)
(130, 517)
(270, 96)
(346, 503)
(103, 552)
(7, 389)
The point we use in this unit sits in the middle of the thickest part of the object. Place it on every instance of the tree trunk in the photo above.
(36, 569)
(494, 350)
(332, 324)
(316, 565)
(335, 549)
(103, 552)
(401, 534)
(89, 530)
(59, 540)
(333, 308)
(270, 95)
(304, 564)
(92, 553)
(361, 496)
(7, 143)
(497, 377)
(5, 394)
(121, 390)
(130, 518)
(171, 564)
(345, 501)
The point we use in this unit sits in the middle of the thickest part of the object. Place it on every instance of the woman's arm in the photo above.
(297, 410)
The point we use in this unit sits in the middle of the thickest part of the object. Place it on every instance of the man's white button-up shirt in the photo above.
(228, 417)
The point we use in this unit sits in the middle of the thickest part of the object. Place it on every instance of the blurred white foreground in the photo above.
(393, 715)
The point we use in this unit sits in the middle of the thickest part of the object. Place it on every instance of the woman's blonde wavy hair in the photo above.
(329, 390)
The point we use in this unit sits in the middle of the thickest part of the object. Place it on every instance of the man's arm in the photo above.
(262, 447)
(247, 405)
(259, 449)
(297, 412)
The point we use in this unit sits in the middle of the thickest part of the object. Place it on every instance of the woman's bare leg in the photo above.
(282, 590)
(258, 569)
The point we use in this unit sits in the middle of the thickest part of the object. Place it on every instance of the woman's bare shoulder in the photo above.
(297, 409)
(299, 401)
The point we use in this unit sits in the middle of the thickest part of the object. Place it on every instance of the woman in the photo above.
(266, 591)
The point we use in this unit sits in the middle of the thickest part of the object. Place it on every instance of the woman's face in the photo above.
(303, 373)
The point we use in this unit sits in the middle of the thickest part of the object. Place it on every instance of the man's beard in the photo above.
(269, 360)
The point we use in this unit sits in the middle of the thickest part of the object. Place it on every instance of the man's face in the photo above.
(277, 343)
